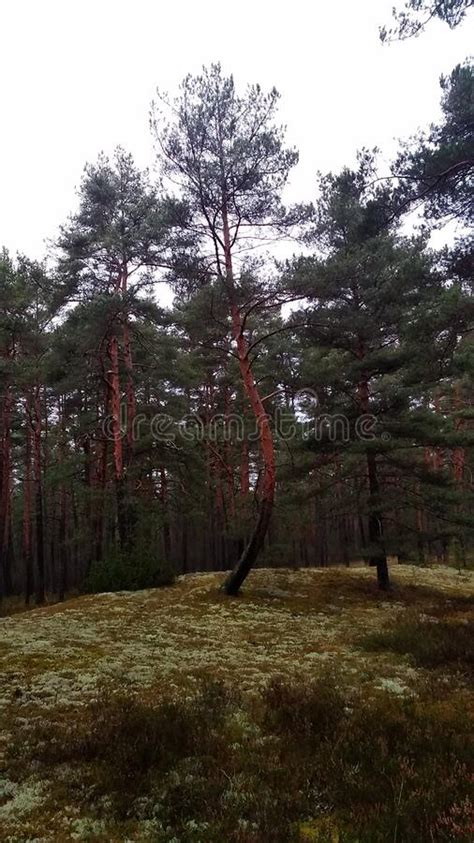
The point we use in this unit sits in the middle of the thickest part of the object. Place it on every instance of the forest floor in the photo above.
(312, 707)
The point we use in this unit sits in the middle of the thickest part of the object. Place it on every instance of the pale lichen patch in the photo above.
(21, 799)
(288, 624)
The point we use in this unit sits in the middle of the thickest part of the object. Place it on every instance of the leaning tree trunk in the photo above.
(250, 553)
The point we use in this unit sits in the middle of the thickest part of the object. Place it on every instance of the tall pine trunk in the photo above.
(5, 492)
(26, 516)
(63, 551)
(128, 361)
(165, 513)
(39, 513)
(122, 452)
(377, 554)
(250, 553)
(123, 515)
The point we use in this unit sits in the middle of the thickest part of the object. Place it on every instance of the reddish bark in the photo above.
(5, 491)
(458, 455)
(267, 490)
(39, 515)
(114, 407)
(458, 460)
(98, 475)
(101, 480)
(125, 515)
(127, 359)
(256, 403)
(63, 556)
(129, 387)
(26, 517)
(437, 454)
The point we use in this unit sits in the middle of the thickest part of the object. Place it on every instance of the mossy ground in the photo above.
(311, 670)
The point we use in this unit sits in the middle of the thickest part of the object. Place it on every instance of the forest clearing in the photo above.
(183, 701)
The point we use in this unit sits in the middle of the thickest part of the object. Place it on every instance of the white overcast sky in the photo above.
(78, 77)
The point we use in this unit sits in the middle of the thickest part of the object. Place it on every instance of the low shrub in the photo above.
(121, 744)
(313, 761)
(128, 571)
(311, 712)
(430, 642)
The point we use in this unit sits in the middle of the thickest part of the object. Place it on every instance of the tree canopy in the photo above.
(311, 411)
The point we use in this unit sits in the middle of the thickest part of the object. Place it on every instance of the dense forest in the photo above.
(305, 400)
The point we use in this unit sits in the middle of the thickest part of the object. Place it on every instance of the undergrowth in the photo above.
(431, 642)
(129, 571)
(317, 761)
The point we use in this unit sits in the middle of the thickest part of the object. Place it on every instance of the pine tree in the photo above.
(417, 14)
(436, 168)
(230, 161)
(110, 251)
(371, 296)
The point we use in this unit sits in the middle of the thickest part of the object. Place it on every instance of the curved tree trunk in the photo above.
(249, 556)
